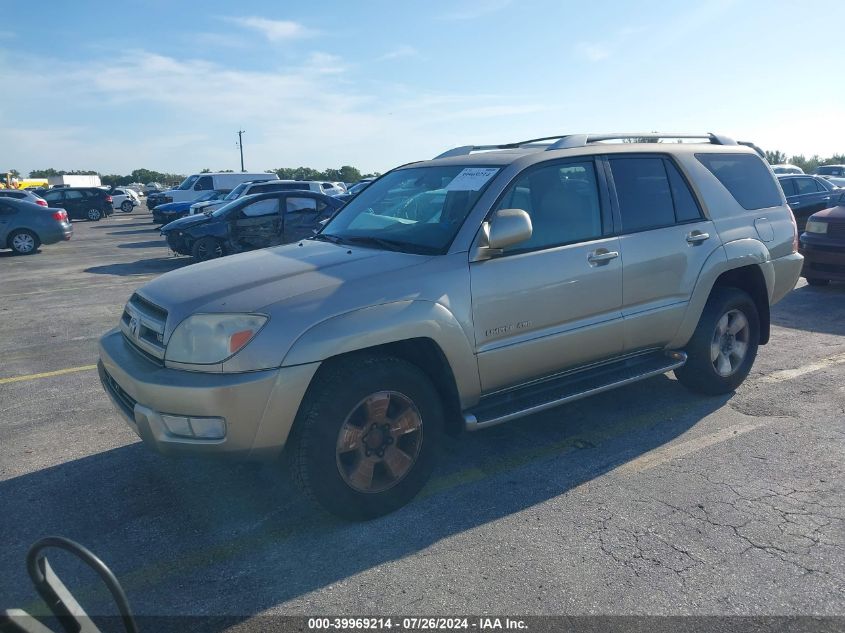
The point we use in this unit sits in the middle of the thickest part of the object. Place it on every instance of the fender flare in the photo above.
(730, 256)
(390, 323)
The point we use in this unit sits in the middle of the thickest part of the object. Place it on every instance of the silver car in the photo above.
(458, 293)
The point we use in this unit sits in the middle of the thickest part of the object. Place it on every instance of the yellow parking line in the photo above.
(46, 374)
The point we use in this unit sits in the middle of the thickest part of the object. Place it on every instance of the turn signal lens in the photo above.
(239, 339)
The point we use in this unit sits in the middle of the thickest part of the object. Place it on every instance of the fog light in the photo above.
(177, 425)
(209, 428)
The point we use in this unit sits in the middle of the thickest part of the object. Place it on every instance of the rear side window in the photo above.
(644, 193)
(746, 177)
(686, 208)
(807, 185)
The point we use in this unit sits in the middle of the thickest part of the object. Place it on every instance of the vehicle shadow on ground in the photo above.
(142, 266)
(107, 226)
(191, 536)
(148, 244)
(136, 232)
(828, 316)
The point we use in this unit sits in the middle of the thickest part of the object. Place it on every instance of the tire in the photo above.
(330, 447)
(713, 344)
(24, 242)
(126, 206)
(94, 215)
(815, 281)
(207, 248)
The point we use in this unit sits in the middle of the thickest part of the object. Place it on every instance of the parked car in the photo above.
(460, 293)
(806, 195)
(124, 199)
(250, 222)
(247, 189)
(836, 181)
(20, 194)
(830, 170)
(823, 246)
(24, 225)
(153, 187)
(81, 203)
(359, 186)
(194, 185)
(165, 213)
(787, 169)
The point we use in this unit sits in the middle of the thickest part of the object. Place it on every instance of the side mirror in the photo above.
(505, 227)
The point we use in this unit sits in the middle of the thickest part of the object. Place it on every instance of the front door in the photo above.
(302, 217)
(554, 301)
(257, 225)
(74, 203)
(664, 240)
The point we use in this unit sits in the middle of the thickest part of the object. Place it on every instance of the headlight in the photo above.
(206, 339)
(814, 226)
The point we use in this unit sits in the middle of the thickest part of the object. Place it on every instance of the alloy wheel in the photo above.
(379, 442)
(729, 345)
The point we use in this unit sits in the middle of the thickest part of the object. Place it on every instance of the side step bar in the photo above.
(557, 390)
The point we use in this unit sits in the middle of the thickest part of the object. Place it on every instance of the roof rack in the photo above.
(568, 141)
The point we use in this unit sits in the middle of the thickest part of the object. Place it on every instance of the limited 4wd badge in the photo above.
(504, 329)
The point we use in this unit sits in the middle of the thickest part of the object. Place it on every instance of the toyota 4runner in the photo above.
(458, 293)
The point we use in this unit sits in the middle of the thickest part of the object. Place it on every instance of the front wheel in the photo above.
(724, 345)
(207, 248)
(126, 206)
(23, 242)
(366, 437)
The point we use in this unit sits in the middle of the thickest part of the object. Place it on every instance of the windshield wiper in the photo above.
(391, 245)
(327, 237)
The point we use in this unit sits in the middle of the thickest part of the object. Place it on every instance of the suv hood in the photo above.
(253, 281)
(185, 222)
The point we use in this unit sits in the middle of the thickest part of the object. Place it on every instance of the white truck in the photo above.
(74, 180)
(196, 184)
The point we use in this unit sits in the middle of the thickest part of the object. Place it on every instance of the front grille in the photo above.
(142, 324)
(126, 402)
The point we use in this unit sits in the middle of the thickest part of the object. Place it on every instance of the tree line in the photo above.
(346, 173)
(777, 157)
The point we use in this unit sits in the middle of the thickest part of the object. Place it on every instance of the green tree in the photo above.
(775, 157)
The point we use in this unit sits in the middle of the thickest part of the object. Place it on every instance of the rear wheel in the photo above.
(724, 345)
(207, 248)
(24, 242)
(94, 215)
(126, 206)
(814, 281)
(366, 436)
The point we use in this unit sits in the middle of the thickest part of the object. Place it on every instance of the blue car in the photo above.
(164, 213)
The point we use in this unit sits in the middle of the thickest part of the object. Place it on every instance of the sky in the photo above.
(163, 85)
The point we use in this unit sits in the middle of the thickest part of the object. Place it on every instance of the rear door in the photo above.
(55, 199)
(74, 202)
(664, 240)
(258, 225)
(7, 212)
(809, 197)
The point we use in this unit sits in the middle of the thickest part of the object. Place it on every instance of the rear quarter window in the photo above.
(746, 178)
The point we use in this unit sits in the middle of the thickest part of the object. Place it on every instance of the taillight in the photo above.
(108, 199)
(794, 232)
(41, 202)
(60, 215)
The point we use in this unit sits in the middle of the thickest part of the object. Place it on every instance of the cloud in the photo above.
(593, 51)
(399, 53)
(467, 10)
(273, 30)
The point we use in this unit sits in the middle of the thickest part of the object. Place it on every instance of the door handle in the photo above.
(602, 256)
(697, 237)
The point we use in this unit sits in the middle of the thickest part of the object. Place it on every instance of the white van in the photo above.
(196, 184)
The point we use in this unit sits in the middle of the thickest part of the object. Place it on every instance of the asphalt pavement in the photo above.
(644, 500)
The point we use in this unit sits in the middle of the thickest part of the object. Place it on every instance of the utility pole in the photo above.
(241, 146)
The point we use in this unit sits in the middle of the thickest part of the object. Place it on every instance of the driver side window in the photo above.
(563, 202)
(268, 206)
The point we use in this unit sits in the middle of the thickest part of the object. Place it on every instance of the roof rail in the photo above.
(568, 141)
(580, 140)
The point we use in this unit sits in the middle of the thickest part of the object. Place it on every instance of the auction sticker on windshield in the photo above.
(472, 178)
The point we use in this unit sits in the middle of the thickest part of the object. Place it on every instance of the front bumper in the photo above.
(822, 261)
(259, 407)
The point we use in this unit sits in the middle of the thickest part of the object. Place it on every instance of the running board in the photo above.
(555, 391)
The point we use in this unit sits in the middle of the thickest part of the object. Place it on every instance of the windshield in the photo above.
(418, 209)
(237, 191)
(188, 182)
